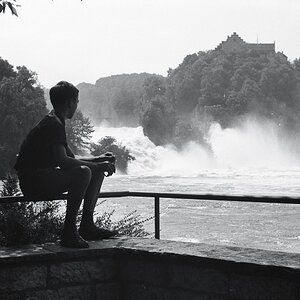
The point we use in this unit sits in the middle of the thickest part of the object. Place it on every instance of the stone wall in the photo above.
(148, 269)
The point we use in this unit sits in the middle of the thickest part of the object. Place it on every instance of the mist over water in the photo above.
(253, 158)
(253, 146)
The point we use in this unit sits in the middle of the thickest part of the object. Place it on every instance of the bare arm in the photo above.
(62, 159)
(108, 156)
(70, 152)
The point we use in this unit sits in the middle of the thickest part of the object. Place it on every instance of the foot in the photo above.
(95, 233)
(73, 240)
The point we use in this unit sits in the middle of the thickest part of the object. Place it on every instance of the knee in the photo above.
(83, 174)
(96, 173)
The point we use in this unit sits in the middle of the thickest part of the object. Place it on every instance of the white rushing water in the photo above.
(253, 147)
(251, 159)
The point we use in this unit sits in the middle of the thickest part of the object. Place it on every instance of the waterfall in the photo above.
(250, 147)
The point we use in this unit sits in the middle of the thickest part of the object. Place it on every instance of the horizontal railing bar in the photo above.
(211, 197)
(262, 199)
(12, 199)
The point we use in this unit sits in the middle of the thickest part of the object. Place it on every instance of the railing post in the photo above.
(156, 217)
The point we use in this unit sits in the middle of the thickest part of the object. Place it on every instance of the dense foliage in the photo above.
(22, 106)
(156, 114)
(109, 144)
(205, 87)
(215, 86)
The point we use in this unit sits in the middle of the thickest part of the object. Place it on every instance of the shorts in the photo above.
(33, 182)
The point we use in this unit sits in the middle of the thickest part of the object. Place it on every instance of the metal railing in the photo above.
(157, 196)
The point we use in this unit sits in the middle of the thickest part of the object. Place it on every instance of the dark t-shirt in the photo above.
(37, 149)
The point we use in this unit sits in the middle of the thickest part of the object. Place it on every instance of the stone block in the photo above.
(144, 271)
(108, 291)
(199, 279)
(145, 292)
(188, 295)
(221, 297)
(82, 271)
(261, 288)
(22, 278)
(11, 296)
(69, 293)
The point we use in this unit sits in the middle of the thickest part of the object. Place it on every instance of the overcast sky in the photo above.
(83, 41)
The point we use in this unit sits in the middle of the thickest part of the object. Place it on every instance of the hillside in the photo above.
(216, 86)
(114, 100)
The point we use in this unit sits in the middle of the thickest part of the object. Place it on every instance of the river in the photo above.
(248, 160)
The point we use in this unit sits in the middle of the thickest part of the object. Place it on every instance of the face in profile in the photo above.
(72, 107)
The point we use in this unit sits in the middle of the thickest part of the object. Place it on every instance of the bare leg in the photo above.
(75, 181)
(91, 197)
(80, 179)
(88, 230)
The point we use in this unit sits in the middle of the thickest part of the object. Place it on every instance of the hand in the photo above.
(107, 168)
(108, 156)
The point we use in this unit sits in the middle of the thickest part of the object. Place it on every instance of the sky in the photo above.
(82, 41)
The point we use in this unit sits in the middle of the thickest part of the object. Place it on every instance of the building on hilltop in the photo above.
(235, 44)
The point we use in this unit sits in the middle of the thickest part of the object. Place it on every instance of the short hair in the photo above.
(62, 93)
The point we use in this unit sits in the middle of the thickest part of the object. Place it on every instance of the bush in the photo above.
(129, 225)
(25, 223)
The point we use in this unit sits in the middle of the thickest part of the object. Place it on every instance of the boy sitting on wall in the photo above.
(47, 167)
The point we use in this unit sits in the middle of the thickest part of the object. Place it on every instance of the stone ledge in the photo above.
(156, 248)
(136, 268)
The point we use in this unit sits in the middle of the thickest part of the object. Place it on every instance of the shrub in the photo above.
(24, 223)
(130, 225)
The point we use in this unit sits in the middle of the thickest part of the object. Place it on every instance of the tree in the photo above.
(6, 69)
(296, 66)
(122, 154)
(22, 106)
(153, 86)
(10, 4)
(158, 122)
(246, 100)
(279, 80)
(78, 131)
